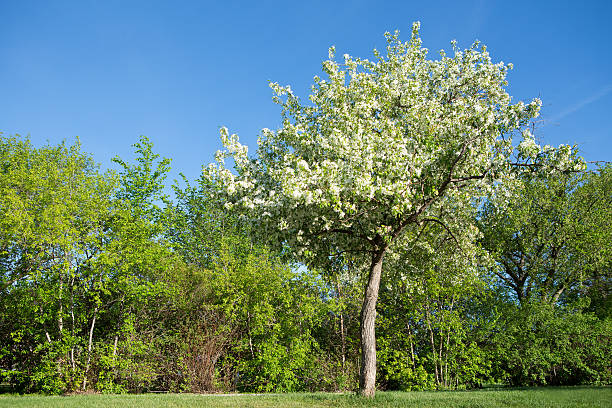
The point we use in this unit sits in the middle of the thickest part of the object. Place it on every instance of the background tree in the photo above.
(549, 239)
(594, 244)
(109, 286)
(55, 208)
(550, 234)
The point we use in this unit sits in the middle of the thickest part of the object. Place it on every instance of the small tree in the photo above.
(382, 145)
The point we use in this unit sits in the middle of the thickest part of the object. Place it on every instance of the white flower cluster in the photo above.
(376, 143)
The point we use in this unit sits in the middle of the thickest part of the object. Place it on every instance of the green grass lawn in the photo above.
(533, 397)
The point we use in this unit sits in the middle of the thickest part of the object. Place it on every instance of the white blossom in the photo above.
(378, 140)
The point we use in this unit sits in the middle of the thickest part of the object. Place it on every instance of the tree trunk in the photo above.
(367, 375)
(411, 348)
(342, 336)
(115, 346)
(72, 329)
(447, 381)
(249, 333)
(433, 345)
(60, 320)
(440, 358)
(89, 347)
(556, 295)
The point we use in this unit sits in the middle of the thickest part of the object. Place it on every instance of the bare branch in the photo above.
(446, 228)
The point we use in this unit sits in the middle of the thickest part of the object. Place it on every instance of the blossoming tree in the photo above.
(380, 145)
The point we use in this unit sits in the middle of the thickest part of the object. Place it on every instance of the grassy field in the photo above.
(534, 397)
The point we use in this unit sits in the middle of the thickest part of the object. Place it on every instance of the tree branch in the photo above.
(447, 230)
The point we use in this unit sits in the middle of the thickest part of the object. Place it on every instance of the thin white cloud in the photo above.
(576, 107)
(478, 17)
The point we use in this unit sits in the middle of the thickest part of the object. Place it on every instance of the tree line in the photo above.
(109, 285)
(390, 234)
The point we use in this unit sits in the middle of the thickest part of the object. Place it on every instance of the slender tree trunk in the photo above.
(411, 347)
(342, 336)
(72, 322)
(249, 333)
(446, 359)
(343, 340)
(433, 346)
(89, 347)
(447, 381)
(442, 379)
(115, 346)
(60, 320)
(367, 377)
(556, 295)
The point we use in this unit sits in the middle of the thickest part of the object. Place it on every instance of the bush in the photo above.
(541, 345)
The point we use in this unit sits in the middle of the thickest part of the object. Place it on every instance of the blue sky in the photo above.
(175, 71)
